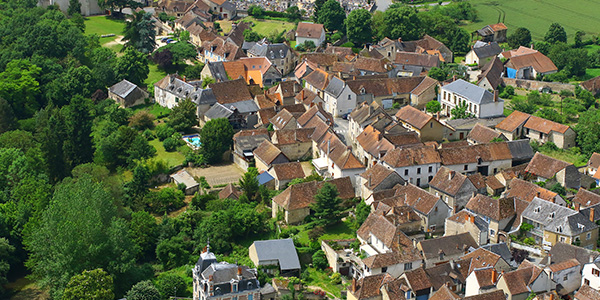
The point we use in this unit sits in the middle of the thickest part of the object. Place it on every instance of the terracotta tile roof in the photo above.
(538, 61)
(493, 183)
(309, 30)
(305, 97)
(513, 172)
(231, 91)
(224, 48)
(370, 286)
(372, 64)
(493, 72)
(302, 195)
(318, 78)
(518, 281)
(417, 59)
(477, 180)
(586, 198)
(262, 102)
(424, 85)
(379, 226)
(483, 134)
(594, 161)
(230, 191)
(415, 197)
(282, 118)
(348, 161)
(545, 166)
(404, 139)
(495, 295)
(495, 209)
(592, 85)
(376, 175)
(519, 51)
(454, 144)
(266, 114)
(448, 245)
(373, 142)
(418, 280)
(321, 128)
(404, 157)
(526, 191)
(448, 181)
(288, 171)
(413, 116)
(386, 86)
(567, 264)
(292, 136)
(482, 258)
(561, 252)
(498, 26)
(267, 152)
(485, 277)
(444, 293)
(514, 120)
(587, 293)
(545, 126)
(320, 59)
(474, 153)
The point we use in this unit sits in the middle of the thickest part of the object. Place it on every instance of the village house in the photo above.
(427, 45)
(285, 92)
(267, 154)
(526, 191)
(553, 223)
(491, 74)
(479, 101)
(520, 283)
(417, 165)
(587, 293)
(220, 49)
(465, 221)
(377, 178)
(230, 192)
(452, 187)
(460, 128)
(340, 256)
(240, 114)
(444, 293)
(493, 33)
(426, 126)
(310, 32)
(283, 120)
(295, 144)
(591, 274)
(371, 144)
(546, 168)
(222, 280)
(566, 276)
(286, 172)
(592, 85)
(368, 114)
(482, 135)
(518, 125)
(183, 177)
(415, 91)
(368, 287)
(308, 98)
(222, 8)
(527, 63)
(446, 248)
(279, 54)
(244, 143)
(387, 248)
(410, 64)
(498, 213)
(295, 201)
(281, 253)
(417, 284)
(481, 281)
(593, 164)
(338, 98)
(487, 159)
(254, 70)
(481, 53)
(335, 160)
(170, 90)
(127, 94)
(585, 198)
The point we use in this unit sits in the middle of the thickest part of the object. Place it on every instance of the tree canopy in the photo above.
(216, 138)
(332, 16)
(556, 33)
(327, 205)
(520, 37)
(358, 27)
(94, 285)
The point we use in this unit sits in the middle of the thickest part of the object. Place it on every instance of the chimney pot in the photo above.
(577, 206)
(591, 214)
(494, 275)
(537, 194)
(472, 219)
(467, 217)
(353, 284)
(495, 95)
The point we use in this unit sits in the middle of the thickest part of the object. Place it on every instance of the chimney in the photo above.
(472, 218)
(578, 207)
(591, 259)
(450, 175)
(591, 214)
(474, 194)
(452, 264)
(302, 95)
(552, 200)
(531, 46)
(239, 272)
(353, 285)
(467, 217)
(369, 183)
(494, 275)
(552, 296)
(495, 95)
(455, 207)
(210, 278)
(537, 194)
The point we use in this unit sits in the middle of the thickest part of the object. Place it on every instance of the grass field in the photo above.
(591, 73)
(263, 27)
(172, 158)
(537, 15)
(101, 25)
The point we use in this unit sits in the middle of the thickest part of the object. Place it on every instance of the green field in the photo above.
(537, 15)
(101, 25)
(172, 158)
(263, 27)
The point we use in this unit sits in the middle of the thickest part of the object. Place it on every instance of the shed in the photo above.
(127, 94)
(182, 176)
(276, 252)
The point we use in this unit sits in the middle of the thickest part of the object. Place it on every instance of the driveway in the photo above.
(219, 174)
(341, 128)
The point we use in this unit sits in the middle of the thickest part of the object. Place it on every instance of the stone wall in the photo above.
(536, 85)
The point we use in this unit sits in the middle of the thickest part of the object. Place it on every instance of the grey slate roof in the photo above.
(218, 111)
(282, 250)
(270, 51)
(556, 218)
(470, 91)
(500, 249)
(487, 50)
(217, 70)
(246, 106)
(335, 87)
(123, 88)
(520, 149)
(562, 251)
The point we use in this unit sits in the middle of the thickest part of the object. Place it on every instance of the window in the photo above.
(418, 170)
(349, 97)
(586, 282)
(384, 269)
(588, 235)
(406, 172)
(562, 238)
(492, 232)
(418, 181)
(430, 124)
(235, 287)
(429, 180)
(408, 266)
(541, 135)
(495, 170)
(408, 295)
(466, 167)
(566, 277)
(596, 272)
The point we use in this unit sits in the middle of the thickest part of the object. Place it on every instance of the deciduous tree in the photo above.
(332, 16)
(556, 33)
(358, 27)
(520, 37)
(460, 112)
(143, 290)
(217, 138)
(133, 66)
(433, 107)
(94, 285)
(183, 117)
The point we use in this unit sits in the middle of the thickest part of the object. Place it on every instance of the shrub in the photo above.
(171, 144)
(336, 278)
(164, 131)
(529, 241)
(396, 105)
(148, 135)
(320, 260)
(315, 233)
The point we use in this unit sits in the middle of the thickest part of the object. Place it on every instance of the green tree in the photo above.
(139, 32)
(19, 86)
(165, 200)
(171, 285)
(320, 260)
(142, 120)
(133, 66)
(559, 189)
(327, 205)
(119, 145)
(78, 118)
(523, 105)
(358, 26)
(179, 52)
(318, 6)
(74, 7)
(183, 116)
(184, 37)
(460, 112)
(293, 13)
(7, 117)
(172, 252)
(332, 16)
(433, 107)
(578, 39)
(402, 21)
(249, 184)
(143, 290)
(217, 138)
(362, 212)
(90, 236)
(94, 285)
(520, 37)
(588, 131)
(144, 231)
(438, 74)
(6, 252)
(252, 36)
(556, 33)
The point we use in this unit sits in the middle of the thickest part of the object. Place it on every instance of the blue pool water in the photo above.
(194, 140)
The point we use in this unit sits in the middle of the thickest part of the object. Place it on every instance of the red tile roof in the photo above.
(545, 126)
(309, 30)
(545, 166)
(288, 171)
(413, 116)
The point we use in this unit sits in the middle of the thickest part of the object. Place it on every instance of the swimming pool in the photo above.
(193, 141)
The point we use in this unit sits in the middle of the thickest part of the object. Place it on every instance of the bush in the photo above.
(171, 285)
(336, 278)
(148, 135)
(315, 233)
(529, 241)
(549, 146)
(164, 131)
(396, 105)
(320, 260)
(171, 144)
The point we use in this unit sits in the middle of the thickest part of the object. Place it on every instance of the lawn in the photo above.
(341, 230)
(321, 279)
(565, 155)
(153, 108)
(591, 73)
(263, 27)
(592, 48)
(171, 158)
(102, 25)
(155, 74)
(537, 15)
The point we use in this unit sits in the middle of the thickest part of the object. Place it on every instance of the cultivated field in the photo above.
(537, 15)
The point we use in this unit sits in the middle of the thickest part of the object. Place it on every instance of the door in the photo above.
(483, 170)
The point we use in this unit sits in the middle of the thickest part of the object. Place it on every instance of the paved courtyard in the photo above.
(219, 174)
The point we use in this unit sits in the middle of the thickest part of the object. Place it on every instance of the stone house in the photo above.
(183, 177)
(452, 187)
(593, 164)
(286, 172)
(294, 143)
(244, 144)
(491, 74)
(285, 92)
(481, 281)
(414, 91)
(565, 275)
(364, 115)
(544, 168)
(519, 125)
(526, 191)
(498, 213)
(127, 94)
(295, 201)
(279, 54)
(427, 127)
(335, 160)
(479, 101)
(482, 135)
(481, 53)
(418, 165)
(254, 70)
(467, 222)
(487, 159)
(224, 9)
(220, 49)
(267, 154)
(170, 90)
(585, 198)
(281, 253)
(371, 144)
(377, 178)
(520, 283)
(368, 287)
(586, 292)
(527, 63)
(493, 33)
(446, 248)
(284, 120)
(310, 32)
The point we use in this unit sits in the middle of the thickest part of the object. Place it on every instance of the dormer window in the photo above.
(250, 286)
(552, 215)
(213, 48)
(537, 209)
(559, 229)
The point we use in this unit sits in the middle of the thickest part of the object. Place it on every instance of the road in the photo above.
(341, 128)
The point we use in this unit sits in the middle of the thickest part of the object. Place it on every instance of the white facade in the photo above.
(342, 104)
(419, 175)
(318, 41)
(450, 100)
(591, 275)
